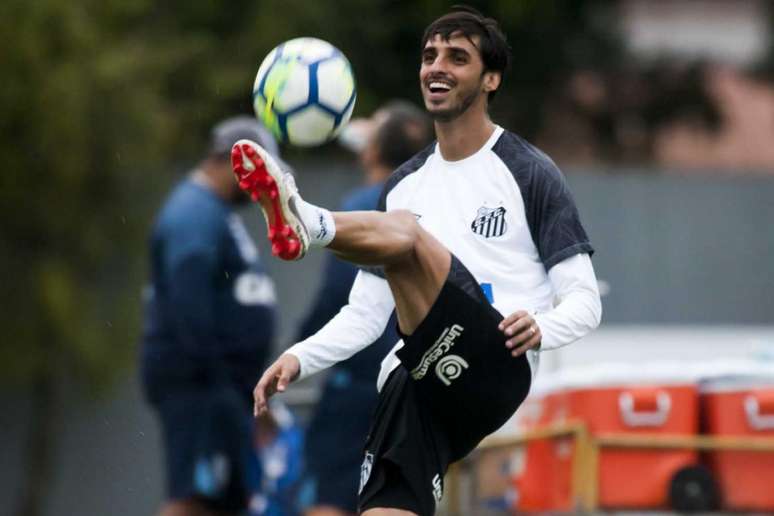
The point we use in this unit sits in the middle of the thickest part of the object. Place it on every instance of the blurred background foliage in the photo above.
(105, 100)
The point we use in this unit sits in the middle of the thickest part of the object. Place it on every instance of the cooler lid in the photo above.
(707, 374)
(611, 374)
(736, 374)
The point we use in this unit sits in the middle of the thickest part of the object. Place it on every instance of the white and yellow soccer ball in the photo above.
(304, 91)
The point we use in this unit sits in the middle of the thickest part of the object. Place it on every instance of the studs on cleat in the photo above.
(283, 242)
(293, 248)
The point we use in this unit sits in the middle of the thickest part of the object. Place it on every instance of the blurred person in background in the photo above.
(279, 443)
(209, 324)
(334, 452)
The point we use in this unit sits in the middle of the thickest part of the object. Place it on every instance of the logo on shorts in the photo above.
(490, 222)
(441, 346)
(365, 470)
(437, 488)
(450, 368)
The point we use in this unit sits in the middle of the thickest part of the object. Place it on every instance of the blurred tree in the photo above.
(83, 114)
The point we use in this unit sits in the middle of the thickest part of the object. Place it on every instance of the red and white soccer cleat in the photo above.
(275, 191)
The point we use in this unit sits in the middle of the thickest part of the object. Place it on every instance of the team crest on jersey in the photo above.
(490, 222)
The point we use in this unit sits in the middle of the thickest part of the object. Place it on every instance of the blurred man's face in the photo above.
(451, 76)
(375, 171)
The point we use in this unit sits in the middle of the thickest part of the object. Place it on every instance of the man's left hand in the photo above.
(522, 331)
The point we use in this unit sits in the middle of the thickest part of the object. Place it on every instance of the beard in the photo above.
(449, 114)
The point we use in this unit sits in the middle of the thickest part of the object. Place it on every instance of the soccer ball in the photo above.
(304, 91)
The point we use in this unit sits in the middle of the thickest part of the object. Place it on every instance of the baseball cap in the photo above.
(227, 132)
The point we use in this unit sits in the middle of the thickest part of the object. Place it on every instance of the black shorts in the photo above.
(457, 384)
(207, 432)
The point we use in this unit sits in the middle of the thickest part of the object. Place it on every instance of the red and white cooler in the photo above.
(628, 399)
(737, 400)
(621, 399)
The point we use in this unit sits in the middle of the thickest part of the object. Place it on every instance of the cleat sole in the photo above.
(255, 179)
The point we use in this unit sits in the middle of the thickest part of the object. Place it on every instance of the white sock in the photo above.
(318, 221)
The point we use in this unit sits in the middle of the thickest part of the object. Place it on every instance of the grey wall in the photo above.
(672, 250)
(682, 250)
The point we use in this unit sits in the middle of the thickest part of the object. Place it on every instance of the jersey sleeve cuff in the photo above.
(547, 342)
(567, 252)
(303, 366)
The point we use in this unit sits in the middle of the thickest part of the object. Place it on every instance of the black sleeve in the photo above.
(552, 216)
(551, 213)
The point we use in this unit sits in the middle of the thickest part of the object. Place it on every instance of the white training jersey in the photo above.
(505, 212)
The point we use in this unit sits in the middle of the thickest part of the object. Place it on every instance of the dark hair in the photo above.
(405, 131)
(468, 21)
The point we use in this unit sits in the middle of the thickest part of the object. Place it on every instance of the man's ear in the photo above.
(492, 81)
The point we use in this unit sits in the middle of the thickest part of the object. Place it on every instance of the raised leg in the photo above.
(415, 263)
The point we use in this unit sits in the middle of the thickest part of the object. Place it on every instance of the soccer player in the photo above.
(479, 249)
(208, 330)
(391, 136)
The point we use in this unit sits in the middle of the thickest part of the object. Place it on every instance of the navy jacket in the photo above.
(210, 308)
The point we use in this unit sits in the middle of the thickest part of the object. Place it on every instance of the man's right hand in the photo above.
(275, 379)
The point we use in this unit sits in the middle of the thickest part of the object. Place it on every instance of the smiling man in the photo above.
(478, 248)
